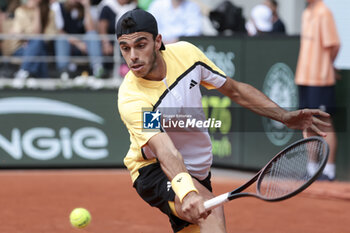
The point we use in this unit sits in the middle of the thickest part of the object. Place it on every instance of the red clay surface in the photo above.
(41, 201)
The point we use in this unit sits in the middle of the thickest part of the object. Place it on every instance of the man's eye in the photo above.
(125, 49)
(141, 46)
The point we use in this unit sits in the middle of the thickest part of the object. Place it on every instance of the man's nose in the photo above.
(133, 55)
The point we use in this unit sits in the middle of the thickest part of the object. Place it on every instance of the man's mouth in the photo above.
(136, 67)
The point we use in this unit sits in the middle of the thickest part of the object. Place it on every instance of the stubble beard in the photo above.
(153, 63)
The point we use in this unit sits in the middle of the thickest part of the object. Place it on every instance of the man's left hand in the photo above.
(306, 119)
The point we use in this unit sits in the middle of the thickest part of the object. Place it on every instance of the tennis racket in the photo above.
(288, 173)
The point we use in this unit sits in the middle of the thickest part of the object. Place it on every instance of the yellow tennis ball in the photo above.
(80, 217)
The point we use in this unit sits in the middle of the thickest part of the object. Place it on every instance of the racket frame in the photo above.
(309, 181)
(237, 193)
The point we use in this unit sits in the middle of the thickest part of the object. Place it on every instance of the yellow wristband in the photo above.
(182, 184)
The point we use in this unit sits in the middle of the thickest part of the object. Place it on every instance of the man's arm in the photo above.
(253, 99)
(172, 164)
(334, 51)
(168, 156)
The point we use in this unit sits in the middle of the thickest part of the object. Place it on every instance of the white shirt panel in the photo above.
(195, 147)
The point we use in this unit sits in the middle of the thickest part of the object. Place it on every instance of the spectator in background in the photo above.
(177, 18)
(32, 17)
(95, 11)
(260, 21)
(74, 17)
(315, 73)
(277, 24)
(8, 7)
(7, 12)
(111, 10)
(228, 19)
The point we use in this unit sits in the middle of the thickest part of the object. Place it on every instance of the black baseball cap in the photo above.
(137, 20)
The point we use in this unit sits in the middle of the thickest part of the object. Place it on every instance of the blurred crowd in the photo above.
(85, 28)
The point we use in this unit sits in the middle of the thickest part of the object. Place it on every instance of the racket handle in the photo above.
(216, 201)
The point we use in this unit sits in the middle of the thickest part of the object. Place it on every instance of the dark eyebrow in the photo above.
(136, 41)
(140, 38)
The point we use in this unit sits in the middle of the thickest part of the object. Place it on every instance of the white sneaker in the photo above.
(98, 71)
(64, 76)
(22, 74)
(20, 78)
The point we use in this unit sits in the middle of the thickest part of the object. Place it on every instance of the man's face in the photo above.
(139, 51)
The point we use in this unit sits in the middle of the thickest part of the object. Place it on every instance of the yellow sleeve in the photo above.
(132, 116)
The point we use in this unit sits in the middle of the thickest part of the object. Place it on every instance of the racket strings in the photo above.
(290, 170)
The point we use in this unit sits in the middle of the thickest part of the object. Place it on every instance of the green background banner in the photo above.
(61, 129)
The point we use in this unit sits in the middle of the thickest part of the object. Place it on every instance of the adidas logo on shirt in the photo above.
(193, 83)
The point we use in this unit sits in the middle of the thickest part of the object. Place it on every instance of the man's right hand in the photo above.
(193, 207)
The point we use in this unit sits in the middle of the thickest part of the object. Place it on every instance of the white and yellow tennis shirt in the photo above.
(187, 67)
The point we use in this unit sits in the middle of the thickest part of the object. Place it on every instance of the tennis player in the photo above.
(171, 170)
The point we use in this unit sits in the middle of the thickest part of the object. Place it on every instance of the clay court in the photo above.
(39, 201)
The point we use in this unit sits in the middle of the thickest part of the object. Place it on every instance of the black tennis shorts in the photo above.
(155, 188)
(322, 98)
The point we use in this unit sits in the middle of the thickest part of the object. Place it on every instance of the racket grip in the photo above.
(216, 201)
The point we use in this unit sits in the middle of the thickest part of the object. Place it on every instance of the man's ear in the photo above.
(158, 41)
